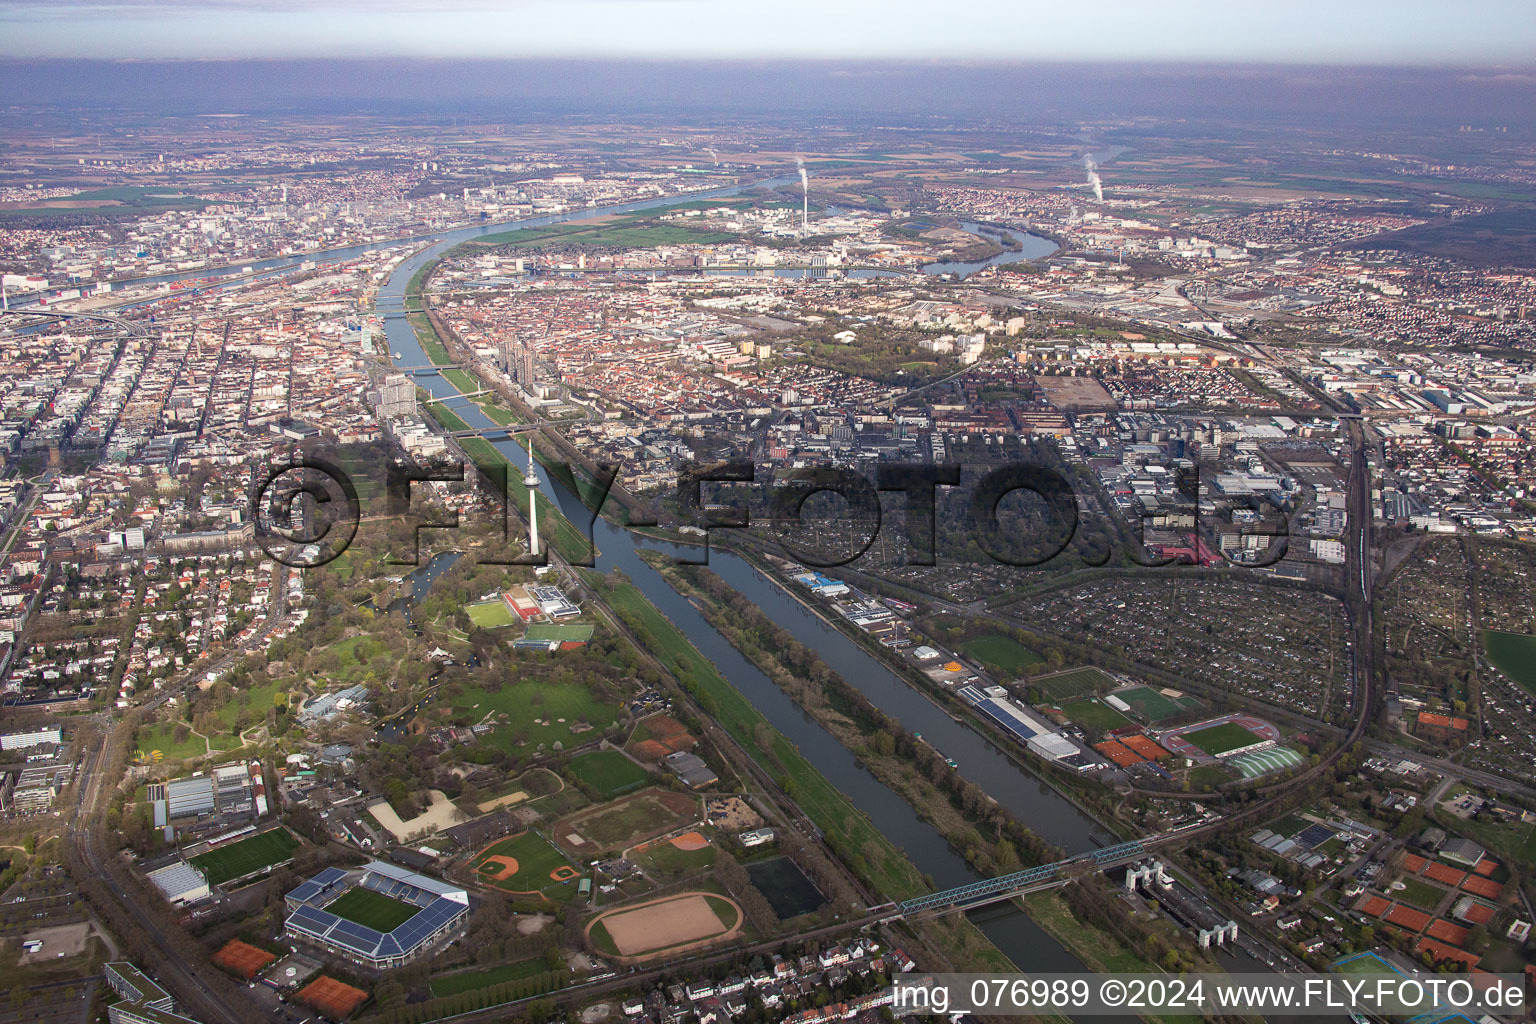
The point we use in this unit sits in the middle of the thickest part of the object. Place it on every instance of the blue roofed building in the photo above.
(441, 913)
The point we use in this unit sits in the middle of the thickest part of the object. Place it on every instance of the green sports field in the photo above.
(372, 909)
(491, 614)
(1094, 715)
(1514, 654)
(607, 771)
(1218, 739)
(535, 858)
(1153, 707)
(246, 857)
(1077, 682)
(1002, 653)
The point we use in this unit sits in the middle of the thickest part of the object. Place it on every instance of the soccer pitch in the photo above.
(490, 614)
(1075, 682)
(247, 856)
(372, 909)
(1093, 714)
(1002, 652)
(1218, 739)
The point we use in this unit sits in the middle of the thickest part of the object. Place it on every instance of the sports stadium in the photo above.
(378, 915)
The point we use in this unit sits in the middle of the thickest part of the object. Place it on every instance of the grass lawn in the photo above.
(446, 416)
(1418, 892)
(1094, 715)
(1211, 775)
(1516, 841)
(246, 856)
(1002, 653)
(631, 818)
(668, 861)
(372, 909)
(1514, 654)
(426, 337)
(490, 614)
(1153, 706)
(1218, 739)
(469, 981)
(607, 771)
(255, 698)
(497, 415)
(602, 941)
(161, 737)
(461, 380)
(513, 709)
(535, 857)
(1075, 682)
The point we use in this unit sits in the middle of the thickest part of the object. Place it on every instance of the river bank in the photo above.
(978, 828)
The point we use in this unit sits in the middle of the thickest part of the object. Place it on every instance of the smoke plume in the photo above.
(1093, 178)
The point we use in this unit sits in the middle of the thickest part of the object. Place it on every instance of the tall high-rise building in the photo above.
(397, 397)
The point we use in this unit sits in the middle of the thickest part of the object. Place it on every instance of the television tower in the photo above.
(531, 481)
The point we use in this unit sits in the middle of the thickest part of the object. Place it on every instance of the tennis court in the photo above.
(331, 997)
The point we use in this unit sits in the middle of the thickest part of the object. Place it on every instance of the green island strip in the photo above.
(846, 829)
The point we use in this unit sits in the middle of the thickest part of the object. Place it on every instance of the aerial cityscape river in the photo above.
(1035, 803)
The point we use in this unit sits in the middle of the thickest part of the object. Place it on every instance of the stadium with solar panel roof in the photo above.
(379, 915)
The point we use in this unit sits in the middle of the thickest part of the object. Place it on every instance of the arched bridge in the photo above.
(1003, 887)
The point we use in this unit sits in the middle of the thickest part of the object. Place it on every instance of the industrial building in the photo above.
(225, 793)
(180, 883)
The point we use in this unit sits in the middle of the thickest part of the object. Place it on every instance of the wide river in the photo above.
(1005, 780)
(980, 761)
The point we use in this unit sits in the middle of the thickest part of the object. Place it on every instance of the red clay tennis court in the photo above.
(1145, 746)
(1407, 918)
(1413, 863)
(1486, 867)
(242, 959)
(1444, 873)
(1445, 931)
(1373, 906)
(331, 997)
(1118, 753)
(1484, 887)
(1478, 912)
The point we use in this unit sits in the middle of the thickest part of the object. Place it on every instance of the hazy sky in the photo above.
(1411, 32)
